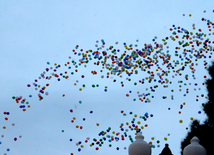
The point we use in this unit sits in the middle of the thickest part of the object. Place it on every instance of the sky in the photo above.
(36, 35)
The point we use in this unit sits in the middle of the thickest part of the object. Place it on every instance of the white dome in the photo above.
(139, 146)
(194, 148)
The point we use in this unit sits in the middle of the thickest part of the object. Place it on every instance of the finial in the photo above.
(195, 139)
(139, 146)
(139, 136)
(194, 148)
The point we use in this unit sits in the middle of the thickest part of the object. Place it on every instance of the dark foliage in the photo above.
(205, 131)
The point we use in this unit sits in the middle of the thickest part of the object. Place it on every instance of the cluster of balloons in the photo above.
(109, 136)
(155, 60)
(6, 118)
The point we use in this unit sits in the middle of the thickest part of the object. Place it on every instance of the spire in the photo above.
(166, 150)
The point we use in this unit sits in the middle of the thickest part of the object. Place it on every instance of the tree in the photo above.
(205, 131)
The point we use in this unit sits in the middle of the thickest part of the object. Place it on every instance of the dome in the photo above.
(194, 148)
(139, 146)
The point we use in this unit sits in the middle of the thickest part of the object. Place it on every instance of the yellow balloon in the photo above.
(181, 121)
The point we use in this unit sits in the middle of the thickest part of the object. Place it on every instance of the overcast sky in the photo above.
(34, 35)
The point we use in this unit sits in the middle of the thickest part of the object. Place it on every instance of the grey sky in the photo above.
(33, 33)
